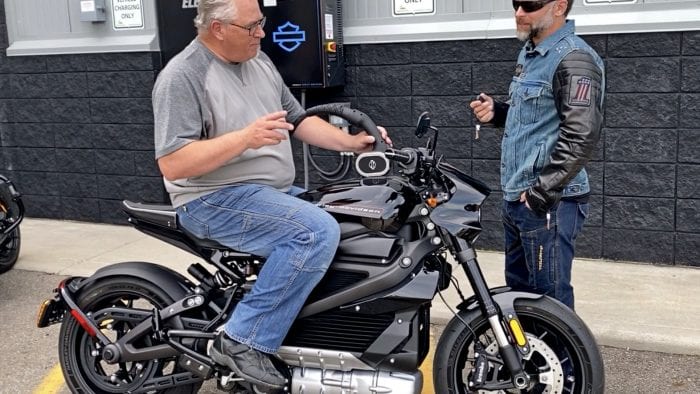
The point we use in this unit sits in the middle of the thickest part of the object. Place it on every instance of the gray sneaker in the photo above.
(252, 365)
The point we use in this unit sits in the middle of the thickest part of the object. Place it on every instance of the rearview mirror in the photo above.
(423, 124)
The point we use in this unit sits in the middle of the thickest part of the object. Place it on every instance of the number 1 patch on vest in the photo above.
(580, 91)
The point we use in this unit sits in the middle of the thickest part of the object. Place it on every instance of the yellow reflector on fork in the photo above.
(517, 331)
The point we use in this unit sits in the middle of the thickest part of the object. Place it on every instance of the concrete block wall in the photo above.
(76, 131)
(645, 204)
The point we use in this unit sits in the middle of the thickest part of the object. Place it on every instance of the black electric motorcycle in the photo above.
(137, 327)
(11, 214)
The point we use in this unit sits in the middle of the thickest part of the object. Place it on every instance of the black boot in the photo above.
(250, 364)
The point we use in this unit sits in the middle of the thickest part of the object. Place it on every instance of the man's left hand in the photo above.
(523, 198)
(538, 201)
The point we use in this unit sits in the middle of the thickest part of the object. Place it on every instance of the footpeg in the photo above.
(228, 381)
(198, 368)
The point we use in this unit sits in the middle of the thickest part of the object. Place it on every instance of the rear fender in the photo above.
(173, 283)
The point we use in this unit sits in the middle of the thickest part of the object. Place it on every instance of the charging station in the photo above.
(304, 38)
(175, 27)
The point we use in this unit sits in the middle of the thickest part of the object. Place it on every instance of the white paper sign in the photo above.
(127, 14)
(270, 3)
(329, 26)
(412, 7)
(87, 6)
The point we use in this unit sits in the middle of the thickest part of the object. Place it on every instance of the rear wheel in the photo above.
(9, 250)
(564, 356)
(83, 367)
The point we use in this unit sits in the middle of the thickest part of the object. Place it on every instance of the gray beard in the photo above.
(522, 35)
(536, 29)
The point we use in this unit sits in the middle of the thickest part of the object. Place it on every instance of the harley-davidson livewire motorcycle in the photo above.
(11, 214)
(137, 327)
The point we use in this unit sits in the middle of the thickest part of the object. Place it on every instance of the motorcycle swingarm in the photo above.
(124, 352)
(53, 310)
(121, 351)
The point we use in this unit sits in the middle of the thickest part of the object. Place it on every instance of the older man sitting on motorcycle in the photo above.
(223, 118)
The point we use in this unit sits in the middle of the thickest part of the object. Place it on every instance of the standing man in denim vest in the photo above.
(552, 120)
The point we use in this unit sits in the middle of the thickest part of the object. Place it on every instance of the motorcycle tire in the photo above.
(9, 251)
(83, 370)
(565, 357)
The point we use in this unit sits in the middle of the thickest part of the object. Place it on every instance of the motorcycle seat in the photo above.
(164, 215)
(159, 214)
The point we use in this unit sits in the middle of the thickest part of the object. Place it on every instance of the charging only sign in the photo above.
(413, 7)
(127, 14)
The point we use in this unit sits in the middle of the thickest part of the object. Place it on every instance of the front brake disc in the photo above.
(541, 357)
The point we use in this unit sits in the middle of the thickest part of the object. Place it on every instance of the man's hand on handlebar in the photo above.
(364, 142)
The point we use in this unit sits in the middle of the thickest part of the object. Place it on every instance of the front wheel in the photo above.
(79, 353)
(564, 356)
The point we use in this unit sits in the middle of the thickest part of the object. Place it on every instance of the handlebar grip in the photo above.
(353, 116)
(402, 156)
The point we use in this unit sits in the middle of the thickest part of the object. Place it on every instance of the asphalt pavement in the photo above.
(29, 355)
(642, 315)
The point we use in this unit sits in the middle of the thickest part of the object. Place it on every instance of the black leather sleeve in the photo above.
(578, 91)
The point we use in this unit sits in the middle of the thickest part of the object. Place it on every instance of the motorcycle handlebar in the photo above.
(353, 116)
(402, 156)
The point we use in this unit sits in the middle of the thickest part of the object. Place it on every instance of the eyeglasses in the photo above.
(530, 6)
(253, 27)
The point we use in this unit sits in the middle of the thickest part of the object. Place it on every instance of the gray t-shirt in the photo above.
(199, 96)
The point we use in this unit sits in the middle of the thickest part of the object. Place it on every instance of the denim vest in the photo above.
(532, 125)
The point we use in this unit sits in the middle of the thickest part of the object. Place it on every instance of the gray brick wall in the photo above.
(76, 131)
(645, 173)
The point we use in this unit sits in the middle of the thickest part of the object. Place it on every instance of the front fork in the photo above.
(498, 320)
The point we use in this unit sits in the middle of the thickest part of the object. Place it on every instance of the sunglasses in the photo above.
(530, 6)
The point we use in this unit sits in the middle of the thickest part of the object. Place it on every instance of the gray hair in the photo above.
(209, 10)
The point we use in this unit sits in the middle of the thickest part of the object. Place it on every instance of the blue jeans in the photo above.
(298, 239)
(539, 257)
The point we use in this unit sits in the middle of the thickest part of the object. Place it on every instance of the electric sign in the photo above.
(288, 36)
(304, 40)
